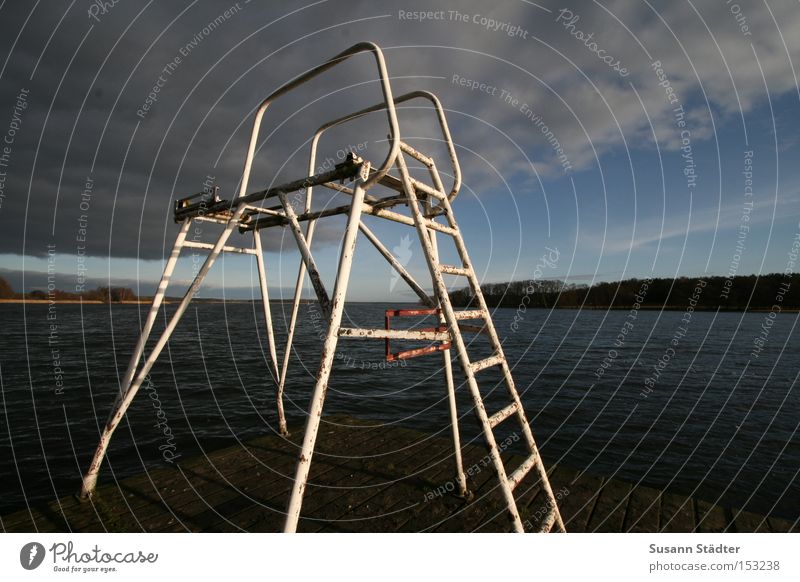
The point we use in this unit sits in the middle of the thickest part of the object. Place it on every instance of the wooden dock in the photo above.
(367, 478)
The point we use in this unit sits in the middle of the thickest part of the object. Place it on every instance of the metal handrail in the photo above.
(310, 74)
(401, 99)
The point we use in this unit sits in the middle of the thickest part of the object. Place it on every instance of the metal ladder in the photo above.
(427, 228)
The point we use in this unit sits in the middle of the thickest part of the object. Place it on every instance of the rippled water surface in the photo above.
(710, 419)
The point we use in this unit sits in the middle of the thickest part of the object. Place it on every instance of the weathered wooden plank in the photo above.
(644, 508)
(325, 486)
(747, 522)
(782, 525)
(710, 518)
(487, 502)
(611, 506)
(677, 513)
(437, 491)
(577, 507)
(141, 497)
(260, 504)
(391, 480)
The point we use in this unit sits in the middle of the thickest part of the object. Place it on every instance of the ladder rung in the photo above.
(451, 270)
(487, 363)
(425, 189)
(500, 416)
(419, 156)
(471, 314)
(520, 472)
(433, 225)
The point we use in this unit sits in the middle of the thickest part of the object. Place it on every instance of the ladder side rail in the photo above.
(489, 326)
(452, 323)
(461, 478)
(506, 370)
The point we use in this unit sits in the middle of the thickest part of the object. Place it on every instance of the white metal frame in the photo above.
(426, 202)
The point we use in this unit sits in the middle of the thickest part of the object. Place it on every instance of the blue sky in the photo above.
(624, 209)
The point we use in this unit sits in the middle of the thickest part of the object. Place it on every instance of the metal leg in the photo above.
(298, 291)
(447, 310)
(326, 361)
(451, 397)
(307, 264)
(262, 280)
(151, 316)
(90, 478)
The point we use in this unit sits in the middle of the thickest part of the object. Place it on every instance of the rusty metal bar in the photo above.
(411, 312)
(212, 219)
(410, 334)
(342, 171)
(503, 414)
(470, 314)
(416, 352)
(525, 467)
(345, 170)
(479, 365)
(451, 270)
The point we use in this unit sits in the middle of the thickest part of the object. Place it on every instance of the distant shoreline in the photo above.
(175, 300)
(667, 308)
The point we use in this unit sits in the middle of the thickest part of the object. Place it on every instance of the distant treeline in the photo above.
(105, 294)
(737, 293)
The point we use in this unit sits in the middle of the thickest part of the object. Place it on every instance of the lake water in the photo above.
(688, 408)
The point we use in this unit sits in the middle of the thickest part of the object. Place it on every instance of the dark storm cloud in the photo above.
(87, 77)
